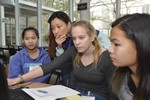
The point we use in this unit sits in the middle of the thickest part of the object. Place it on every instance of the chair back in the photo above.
(11, 50)
(19, 48)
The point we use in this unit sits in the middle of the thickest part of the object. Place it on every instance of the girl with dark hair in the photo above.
(60, 40)
(59, 33)
(29, 57)
(130, 52)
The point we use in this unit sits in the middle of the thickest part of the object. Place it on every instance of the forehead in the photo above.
(30, 33)
(117, 33)
(119, 36)
(76, 30)
(57, 21)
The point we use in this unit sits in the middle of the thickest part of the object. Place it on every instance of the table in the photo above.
(32, 85)
(29, 85)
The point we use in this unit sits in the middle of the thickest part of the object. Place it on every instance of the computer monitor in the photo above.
(8, 94)
(3, 84)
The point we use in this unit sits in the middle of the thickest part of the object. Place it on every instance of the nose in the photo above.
(76, 41)
(30, 40)
(110, 49)
(56, 31)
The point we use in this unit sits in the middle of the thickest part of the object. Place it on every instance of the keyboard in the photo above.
(19, 94)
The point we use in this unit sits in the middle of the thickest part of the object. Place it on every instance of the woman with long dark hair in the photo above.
(130, 52)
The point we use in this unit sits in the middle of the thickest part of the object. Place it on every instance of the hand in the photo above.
(13, 81)
(59, 40)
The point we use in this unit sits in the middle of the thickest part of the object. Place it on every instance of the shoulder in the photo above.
(105, 54)
(71, 49)
(70, 52)
(124, 90)
(42, 51)
(106, 61)
(21, 52)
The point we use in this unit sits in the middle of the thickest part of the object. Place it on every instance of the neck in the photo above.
(32, 51)
(134, 75)
(89, 51)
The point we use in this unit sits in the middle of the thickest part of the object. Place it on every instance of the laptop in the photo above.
(8, 94)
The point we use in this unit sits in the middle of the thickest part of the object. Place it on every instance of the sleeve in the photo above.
(104, 40)
(59, 51)
(66, 57)
(14, 67)
(108, 69)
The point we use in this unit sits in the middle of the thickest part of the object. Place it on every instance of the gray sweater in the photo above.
(92, 79)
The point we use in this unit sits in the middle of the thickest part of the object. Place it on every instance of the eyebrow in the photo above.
(113, 39)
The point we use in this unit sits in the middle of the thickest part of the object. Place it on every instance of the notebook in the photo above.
(6, 93)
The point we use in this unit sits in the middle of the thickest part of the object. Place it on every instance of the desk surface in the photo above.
(29, 85)
(32, 85)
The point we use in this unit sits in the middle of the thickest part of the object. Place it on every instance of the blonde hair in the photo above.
(91, 32)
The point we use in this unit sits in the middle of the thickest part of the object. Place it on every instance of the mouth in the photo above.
(78, 48)
(30, 45)
(112, 58)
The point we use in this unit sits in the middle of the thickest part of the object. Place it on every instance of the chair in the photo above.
(58, 74)
(63, 74)
(11, 50)
(19, 48)
(3, 57)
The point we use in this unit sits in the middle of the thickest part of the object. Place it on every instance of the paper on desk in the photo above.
(50, 93)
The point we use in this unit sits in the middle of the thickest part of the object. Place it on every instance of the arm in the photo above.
(26, 77)
(58, 62)
(59, 51)
(59, 41)
(46, 68)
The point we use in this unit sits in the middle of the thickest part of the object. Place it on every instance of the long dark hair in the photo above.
(137, 28)
(51, 39)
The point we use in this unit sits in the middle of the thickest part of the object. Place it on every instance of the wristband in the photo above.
(21, 79)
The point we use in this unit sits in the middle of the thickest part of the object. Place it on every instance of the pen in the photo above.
(42, 91)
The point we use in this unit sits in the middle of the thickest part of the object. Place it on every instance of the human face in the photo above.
(59, 28)
(82, 41)
(122, 50)
(30, 40)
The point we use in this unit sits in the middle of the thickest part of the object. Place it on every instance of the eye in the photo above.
(52, 28)
(116, 44)
(33, 37)
(26, 38)
(81, 37)
(59, 26)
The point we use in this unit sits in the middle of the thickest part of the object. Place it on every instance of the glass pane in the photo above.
(135, 6)
(62, 5)
(102, 14)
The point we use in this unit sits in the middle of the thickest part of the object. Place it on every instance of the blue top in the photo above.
(22, 63)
